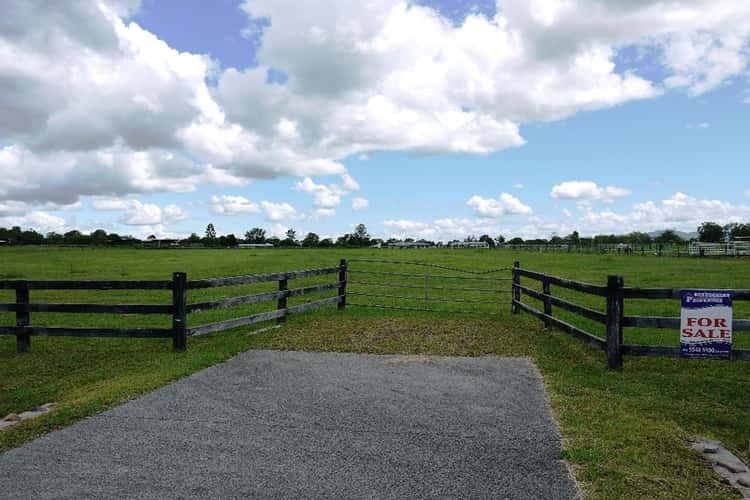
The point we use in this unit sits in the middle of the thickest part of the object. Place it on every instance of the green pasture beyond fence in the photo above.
(369, 283)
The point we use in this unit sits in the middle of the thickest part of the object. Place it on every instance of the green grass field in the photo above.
(624, 431)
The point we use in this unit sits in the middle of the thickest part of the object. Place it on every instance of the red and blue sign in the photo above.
(706, 324)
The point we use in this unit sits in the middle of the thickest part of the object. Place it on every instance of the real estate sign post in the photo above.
(706, 324)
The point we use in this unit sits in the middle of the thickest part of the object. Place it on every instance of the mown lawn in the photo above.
(624, 431)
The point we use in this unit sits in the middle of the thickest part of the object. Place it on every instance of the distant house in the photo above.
(409, 244)
(255, 245)
(469, 244)
(739, 247)
(163, 243)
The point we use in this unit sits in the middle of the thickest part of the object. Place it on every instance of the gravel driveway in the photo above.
(270, 424)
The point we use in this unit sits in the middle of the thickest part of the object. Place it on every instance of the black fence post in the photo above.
(514, 308)
(179, 312)
(342, 284)
(547, 302)
(282, 302)
(23, 317)
(614, 321)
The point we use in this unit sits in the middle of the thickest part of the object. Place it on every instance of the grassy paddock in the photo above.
(624, 432)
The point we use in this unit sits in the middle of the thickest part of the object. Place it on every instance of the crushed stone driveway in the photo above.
(269, 424)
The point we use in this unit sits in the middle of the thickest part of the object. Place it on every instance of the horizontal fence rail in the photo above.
(567, 327)
(259, 278)
(614, 317)
(570, 284)
(586, 312)
(85, 285)
(45, 331)
(264, 316)
(260, 297)
(179, 308)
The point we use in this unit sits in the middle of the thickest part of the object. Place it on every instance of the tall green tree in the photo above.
(710, 232)
(668, 237)
(256, 235)
(99, 237)
(737, 230)
(360, 237)
(311, 240)
(487, 239)
(639, 238)
(291, 238)
(573, 238)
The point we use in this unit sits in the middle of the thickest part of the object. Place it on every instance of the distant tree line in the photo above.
(358, 238)
(16, 236)
(100, 237)
(709, 232)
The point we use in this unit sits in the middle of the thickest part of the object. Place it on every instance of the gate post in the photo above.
(282, 302)
(516, 295)
(547, 302)
(179, 312)
(614, 321)
(23, 317)
(342, 284)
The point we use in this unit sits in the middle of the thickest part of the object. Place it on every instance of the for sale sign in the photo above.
(706, 324)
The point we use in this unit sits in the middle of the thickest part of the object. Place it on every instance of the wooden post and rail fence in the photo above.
(614, 318)
(179, 308)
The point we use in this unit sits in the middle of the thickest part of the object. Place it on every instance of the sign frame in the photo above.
(706, 324)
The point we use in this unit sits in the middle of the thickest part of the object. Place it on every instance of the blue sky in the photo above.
(655, 141)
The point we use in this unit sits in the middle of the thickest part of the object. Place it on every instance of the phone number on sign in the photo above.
(699, 349)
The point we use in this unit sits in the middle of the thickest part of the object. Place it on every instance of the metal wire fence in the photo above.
(430, 287)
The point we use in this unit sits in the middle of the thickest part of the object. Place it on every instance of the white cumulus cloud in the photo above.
(359, 204)
(232, 205)
(587, 191)
(444, 229)
(276, 212)
(38, 220)
(506, 204)
(136, 213)
(328, 195)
